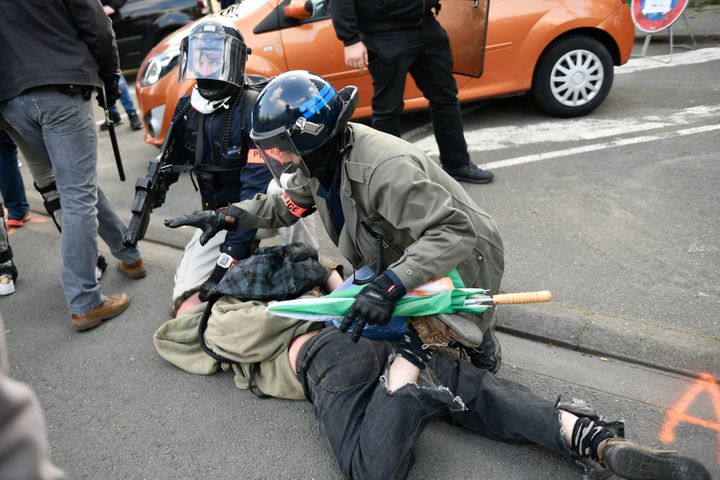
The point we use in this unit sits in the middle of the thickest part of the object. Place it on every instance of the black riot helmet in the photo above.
(214, 54)
(295, 116)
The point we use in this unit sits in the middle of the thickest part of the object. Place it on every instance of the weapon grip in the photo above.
(132, 236)
(524, 297)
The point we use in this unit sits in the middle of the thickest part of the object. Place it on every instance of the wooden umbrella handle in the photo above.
(524, 297)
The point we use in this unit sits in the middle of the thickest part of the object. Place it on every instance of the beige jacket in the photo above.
(242, 332)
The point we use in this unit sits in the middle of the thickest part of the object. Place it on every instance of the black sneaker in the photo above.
(470, 173)
(114, 117)
(636, 462)
(135, 123)
(488, 356)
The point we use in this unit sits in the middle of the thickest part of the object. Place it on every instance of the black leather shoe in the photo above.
(135, 123)
(470, 173)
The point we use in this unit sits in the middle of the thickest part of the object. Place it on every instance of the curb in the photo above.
(674, 350)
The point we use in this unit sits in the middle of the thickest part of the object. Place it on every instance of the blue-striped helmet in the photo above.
(296, 114)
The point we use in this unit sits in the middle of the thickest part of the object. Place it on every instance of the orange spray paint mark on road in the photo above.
(11, 230)
(678, 413)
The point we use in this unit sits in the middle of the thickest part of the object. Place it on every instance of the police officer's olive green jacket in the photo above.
(429, 222)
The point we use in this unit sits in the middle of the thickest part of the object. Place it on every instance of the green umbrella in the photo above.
(445, 295)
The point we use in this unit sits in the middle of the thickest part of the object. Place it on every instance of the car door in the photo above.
(311, 44)
(465, 22)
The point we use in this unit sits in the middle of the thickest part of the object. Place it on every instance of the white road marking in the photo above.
(598, 146)
(634, 65)
(569, 130)
(583, 129)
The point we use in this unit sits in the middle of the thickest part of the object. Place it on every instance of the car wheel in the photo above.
(573, 76)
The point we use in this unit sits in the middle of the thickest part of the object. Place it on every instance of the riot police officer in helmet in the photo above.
(383, 201)
(211, 129)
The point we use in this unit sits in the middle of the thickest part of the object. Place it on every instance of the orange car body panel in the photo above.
(518, 33)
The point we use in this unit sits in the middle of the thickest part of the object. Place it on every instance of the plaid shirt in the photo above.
(274, 273)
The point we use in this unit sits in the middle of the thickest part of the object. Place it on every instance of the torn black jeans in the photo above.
(372, 431)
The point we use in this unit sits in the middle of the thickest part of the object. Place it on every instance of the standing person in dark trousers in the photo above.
(12, 187)
(68, 51)
(392, 39)
(112, 9)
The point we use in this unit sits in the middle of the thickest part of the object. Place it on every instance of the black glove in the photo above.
(373, 305)
(162, 191)
(212, 282)
(209, 221)
(112, 91)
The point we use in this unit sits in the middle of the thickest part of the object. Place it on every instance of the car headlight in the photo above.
(159, 66)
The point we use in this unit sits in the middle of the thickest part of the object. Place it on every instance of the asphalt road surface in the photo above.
(615, 212)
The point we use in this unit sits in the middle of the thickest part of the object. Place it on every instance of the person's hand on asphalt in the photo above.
(356, 56)
(209, 221)
(374, 305)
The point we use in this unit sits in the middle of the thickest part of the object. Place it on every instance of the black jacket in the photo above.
(351, 17)
(54, 42)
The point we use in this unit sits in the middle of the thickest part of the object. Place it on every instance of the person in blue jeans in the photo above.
(45, 107)
(112, 10)
(128, 105)
(12, 187)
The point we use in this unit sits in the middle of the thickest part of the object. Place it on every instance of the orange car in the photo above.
(560, 51)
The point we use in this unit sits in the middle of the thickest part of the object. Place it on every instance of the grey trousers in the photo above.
(56, 133)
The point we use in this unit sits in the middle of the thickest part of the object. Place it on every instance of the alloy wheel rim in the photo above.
(576, 78)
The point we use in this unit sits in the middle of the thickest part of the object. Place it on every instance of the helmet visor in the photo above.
(213, 56)
(282, 157)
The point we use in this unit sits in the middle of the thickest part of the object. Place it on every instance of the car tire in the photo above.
(573, 76)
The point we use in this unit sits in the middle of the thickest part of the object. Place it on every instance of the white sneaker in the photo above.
(98, 273)
(7, 286)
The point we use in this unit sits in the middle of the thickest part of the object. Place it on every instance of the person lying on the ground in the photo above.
(374, 398)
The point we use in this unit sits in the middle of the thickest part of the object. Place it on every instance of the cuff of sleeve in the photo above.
(351, 41)
(398, 283)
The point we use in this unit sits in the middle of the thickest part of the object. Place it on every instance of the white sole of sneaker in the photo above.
(7, 288)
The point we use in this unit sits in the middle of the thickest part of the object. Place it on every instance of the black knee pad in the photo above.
(51, 206)
(11, 269)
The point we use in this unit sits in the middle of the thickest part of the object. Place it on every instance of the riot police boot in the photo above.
(135, 123)
(470, 173)
(114, 117)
